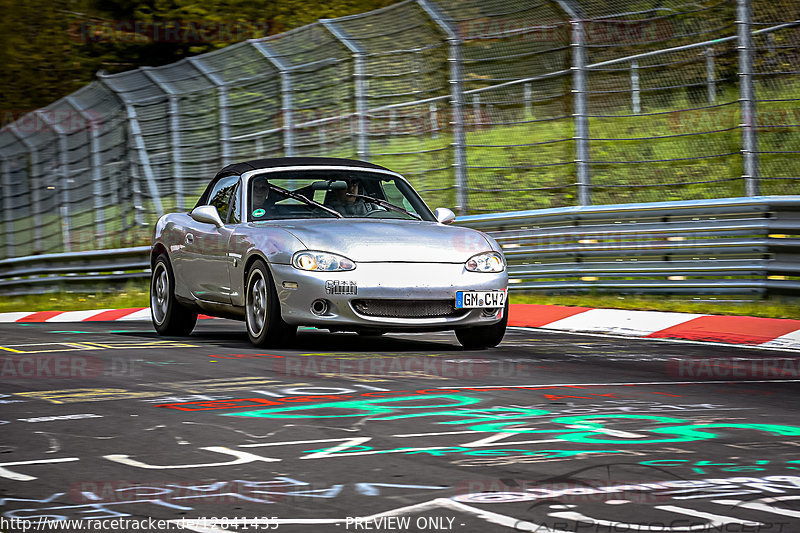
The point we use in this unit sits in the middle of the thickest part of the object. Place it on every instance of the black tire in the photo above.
(262, 309)
(481, 337)
(169, 317)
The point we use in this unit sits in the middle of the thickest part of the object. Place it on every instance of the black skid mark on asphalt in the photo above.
(573, 478)
(235, 430)
(286, 427)
(55, 446)
(354, 428)
(178, 438)
(61, 434)
(146, 334)
(328, 342)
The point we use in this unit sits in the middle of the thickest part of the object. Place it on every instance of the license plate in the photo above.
(480, 299)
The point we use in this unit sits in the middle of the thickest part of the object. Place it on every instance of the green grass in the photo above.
(136, 294)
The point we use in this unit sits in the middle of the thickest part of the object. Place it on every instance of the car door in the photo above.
(206, 269)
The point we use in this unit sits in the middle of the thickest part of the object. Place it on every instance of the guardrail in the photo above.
(734, 245)
(93, 271)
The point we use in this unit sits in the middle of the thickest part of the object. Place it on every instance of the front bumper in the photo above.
(396, 281)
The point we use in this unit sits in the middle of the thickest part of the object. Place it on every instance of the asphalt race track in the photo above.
(549, 432)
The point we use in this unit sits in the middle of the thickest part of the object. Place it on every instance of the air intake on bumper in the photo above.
(407, 308)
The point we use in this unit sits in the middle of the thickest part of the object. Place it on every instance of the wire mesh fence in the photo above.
(487, 106)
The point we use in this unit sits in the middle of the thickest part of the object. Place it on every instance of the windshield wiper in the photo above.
(303, 199)
(384, 203)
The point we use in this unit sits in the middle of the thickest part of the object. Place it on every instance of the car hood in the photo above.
(389, 240)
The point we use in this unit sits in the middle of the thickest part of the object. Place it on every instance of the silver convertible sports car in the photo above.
(328, 243)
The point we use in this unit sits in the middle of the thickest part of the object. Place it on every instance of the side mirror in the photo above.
(207, 214)
(444, 215)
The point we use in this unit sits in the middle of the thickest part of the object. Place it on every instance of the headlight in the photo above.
(486, 262)
(321, 262)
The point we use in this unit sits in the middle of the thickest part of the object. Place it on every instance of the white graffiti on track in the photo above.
(60, 417)
(98, 500)
(8, 474)
(681, 489)
(674, 519)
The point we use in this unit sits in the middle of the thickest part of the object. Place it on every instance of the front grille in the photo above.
(408, 308)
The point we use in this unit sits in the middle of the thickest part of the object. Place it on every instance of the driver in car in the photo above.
(346, 204)
(258, 198)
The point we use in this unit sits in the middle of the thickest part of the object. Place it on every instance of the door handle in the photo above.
(189, 238)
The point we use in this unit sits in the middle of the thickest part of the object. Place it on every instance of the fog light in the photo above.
(319, 307)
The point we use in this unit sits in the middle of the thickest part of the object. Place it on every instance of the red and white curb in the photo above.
(748, 330)
(95, 315)
(740, 330)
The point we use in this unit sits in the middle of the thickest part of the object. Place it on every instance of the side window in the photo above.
(234, 215)
(222, 194)
(396, 197)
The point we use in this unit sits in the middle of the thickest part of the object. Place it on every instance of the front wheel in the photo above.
(480, 337)
(169, 317)
(262, 309)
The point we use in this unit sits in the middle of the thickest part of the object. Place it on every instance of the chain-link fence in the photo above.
(486, 106)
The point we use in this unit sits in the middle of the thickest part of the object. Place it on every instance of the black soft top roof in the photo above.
(246, 166)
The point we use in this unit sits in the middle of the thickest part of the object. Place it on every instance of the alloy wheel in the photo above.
(257, 304)
(159, 293)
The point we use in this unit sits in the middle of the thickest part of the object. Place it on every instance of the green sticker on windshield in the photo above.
(259, 213)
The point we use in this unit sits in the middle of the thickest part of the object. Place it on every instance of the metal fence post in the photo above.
(434, 115)
(144, 158)
(636, 98)
(360, 82)
(8, 206)
(747, 99)
(136, 195)
(456, 100)
(174, 132)
(33, 186)
(63, 163)
(526, 99)
(224, 119)
(579, 104)
(95, 164)
(135, 133)
(711, 75)
(287, 95)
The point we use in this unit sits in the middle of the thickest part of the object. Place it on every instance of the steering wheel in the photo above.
(376, 211)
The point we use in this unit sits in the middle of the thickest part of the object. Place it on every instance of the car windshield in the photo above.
(328, 193)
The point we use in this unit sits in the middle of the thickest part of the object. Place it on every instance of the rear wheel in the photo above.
(262, 309)
(480, 337)
(169, 317)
